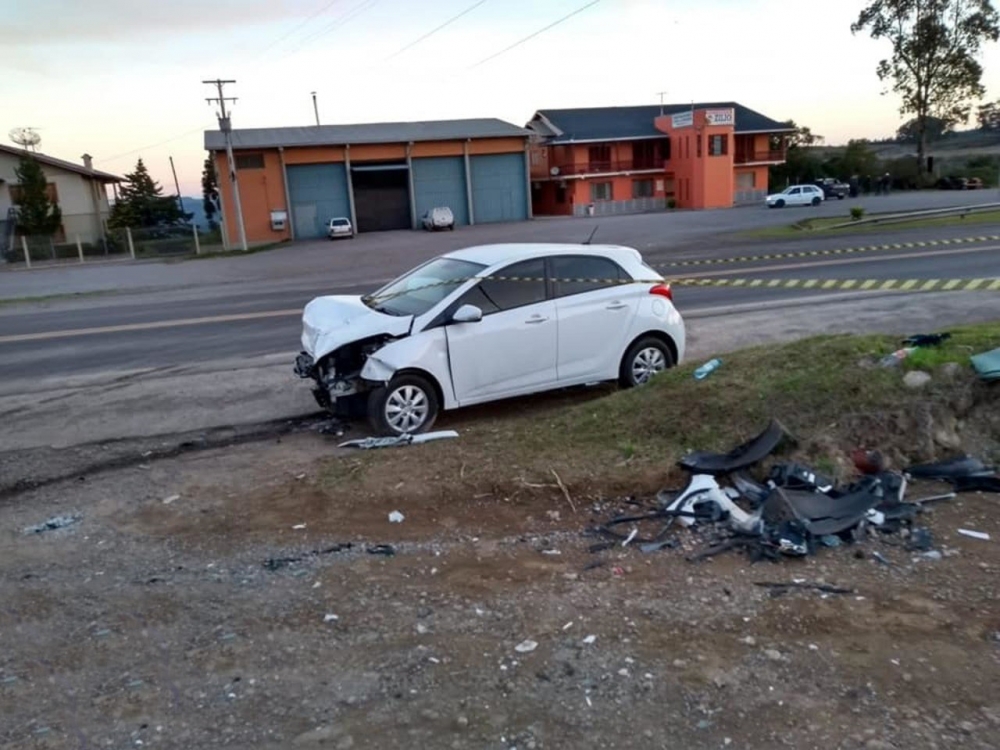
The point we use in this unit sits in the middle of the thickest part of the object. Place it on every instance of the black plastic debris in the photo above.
(52, 524)
(920, 540)
(780, 588)
(277, 563)
(964, 473)
(386, 550)
(927, 339)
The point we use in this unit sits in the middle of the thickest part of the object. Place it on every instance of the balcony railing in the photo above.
(607, 167)
(751, 157)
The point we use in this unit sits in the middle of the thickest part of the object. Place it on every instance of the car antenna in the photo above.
(592, 235)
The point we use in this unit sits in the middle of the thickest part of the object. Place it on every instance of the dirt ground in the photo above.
(209, 600)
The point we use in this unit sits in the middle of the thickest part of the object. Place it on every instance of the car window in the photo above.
(587, 273)
(794, 191)
(339, 222)
(416, 292)
(514, 286)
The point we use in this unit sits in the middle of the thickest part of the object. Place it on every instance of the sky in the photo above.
(122, 79)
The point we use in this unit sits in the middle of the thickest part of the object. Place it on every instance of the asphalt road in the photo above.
(253, 318)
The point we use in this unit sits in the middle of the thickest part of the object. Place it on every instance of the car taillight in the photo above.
(663, 290)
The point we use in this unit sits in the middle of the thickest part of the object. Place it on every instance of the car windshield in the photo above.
(425, 286)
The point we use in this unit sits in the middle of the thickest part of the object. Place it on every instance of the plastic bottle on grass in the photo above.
(707, 369)
(892, 360)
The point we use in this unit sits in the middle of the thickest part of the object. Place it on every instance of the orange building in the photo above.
(381, 176)
(618, 160)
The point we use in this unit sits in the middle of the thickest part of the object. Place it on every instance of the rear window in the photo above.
(340, 222)
(576, 274)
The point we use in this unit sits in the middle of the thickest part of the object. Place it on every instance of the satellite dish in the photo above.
(554, 171)
(26, 138)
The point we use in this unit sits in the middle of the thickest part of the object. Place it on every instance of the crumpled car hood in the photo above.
(330, 322)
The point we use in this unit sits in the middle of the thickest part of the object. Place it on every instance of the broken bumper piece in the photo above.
(304, 366)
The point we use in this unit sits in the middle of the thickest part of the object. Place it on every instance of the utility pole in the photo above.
(315, 108)
(661, 94)
(226, 126)
(177, 186)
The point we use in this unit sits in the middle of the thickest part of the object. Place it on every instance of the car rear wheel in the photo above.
(407, 405)
(647, 357)
(816, 201)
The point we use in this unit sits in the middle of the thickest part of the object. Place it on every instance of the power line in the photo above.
(519, 42)
(434, 31)
(116, 157)
(342, 19)
(283, 37)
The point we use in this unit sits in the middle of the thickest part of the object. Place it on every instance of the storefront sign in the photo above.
(682, 119)
(719, 117)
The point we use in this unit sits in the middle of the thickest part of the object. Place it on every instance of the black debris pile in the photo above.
(277, 563)
(964, 473)
(791, 511)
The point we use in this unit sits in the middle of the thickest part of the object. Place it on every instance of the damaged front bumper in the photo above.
(329, 385)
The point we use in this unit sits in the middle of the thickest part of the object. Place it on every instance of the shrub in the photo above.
(671, 203)
(857, 213)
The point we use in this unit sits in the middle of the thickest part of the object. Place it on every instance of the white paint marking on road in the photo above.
(148, 326)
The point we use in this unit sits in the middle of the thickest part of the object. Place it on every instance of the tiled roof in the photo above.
(60, 164)
(615, 123)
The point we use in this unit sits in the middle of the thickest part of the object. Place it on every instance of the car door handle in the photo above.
(535, 319)
(616, 306)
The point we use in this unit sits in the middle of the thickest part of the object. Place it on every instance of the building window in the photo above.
(697, 141)
(746, 180)
(644, 155)
(664, 147)
(249, 161)
(718, 145)
(601, 191)
(50, 192)
(642, 188)
(599, 158)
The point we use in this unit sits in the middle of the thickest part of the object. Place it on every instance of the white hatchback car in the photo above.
(488, 323)
(339, 228)
(797, 195)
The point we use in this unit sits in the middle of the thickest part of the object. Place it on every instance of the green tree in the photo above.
(210, 192)
(857, 160)
(934, 129)
(801, 163)
(934, 65)
(36, 213)
(141, 202)
(988, 116)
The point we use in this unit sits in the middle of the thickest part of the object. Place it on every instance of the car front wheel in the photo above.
(647, 357)
(779, 203)
(407, 405)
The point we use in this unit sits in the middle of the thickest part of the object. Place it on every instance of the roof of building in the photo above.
(380, 132)
(618, 123)
(61, 164)
(490, 255)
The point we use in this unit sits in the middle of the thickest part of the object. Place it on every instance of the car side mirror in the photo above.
(467, 314)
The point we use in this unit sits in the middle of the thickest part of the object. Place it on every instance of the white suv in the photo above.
(488, 323)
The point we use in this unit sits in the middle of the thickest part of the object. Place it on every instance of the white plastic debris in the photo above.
(171, 499)
(632, 535)
(525, 647)
(390, 442)
(589, 640)
(568, 625)
(552, 552)
(396, 517)
(330, 617)
(975, 534)
(298, 527)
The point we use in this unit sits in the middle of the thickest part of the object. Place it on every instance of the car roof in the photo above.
(491, 255)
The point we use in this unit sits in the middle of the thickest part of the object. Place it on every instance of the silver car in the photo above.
(339, 227)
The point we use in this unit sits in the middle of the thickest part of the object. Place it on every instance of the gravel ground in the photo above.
(171, 615)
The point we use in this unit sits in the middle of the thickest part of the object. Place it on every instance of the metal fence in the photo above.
(617, 208)
(109, 244)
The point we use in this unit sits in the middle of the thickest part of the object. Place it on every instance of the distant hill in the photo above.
(194, 206)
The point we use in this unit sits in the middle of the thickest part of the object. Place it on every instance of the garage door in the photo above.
(318, 193)
(381, 197)
(440, 181)
(498, 188)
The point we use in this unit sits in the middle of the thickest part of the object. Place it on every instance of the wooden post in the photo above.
(131, 246)
(79, 248)
(27, 253)
(197, 244)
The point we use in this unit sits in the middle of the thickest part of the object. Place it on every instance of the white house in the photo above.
(78, 189)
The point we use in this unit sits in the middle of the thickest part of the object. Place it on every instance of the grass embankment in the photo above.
(807, 227)
(826, 390)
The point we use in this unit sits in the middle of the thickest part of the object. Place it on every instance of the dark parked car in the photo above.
(833, 188)
(953, 183)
